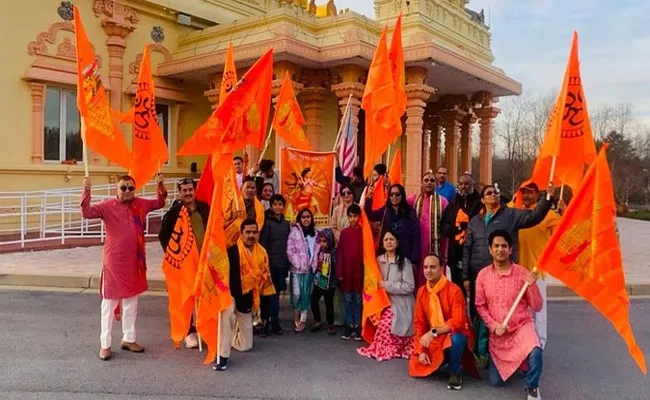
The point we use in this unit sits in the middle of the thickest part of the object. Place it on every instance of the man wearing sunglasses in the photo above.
(198, 216)
(124, 272)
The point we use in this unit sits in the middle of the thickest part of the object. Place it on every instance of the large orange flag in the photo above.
(179, 265)
(99, 131)
(375, 298)
(396, 56)
(585, 254)
(213, 278)
(288, 119)
(242, 118)
(228, 81)
(383, 123)
(379, 194)
(568, 136)
(149, 146)
(395, 171)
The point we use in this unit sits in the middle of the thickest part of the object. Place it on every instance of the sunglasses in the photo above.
(429, 180)
(127, 188)
(395, 195)
(186, 181)
(491, 193)
(346, 193)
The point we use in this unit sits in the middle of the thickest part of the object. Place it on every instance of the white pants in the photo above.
(541, 321)
(295, 288)
(129, 315)
(236, 331)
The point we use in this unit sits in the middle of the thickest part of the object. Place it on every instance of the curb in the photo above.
(158, 285)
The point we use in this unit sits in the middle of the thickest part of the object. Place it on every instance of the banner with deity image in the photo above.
(306, 180)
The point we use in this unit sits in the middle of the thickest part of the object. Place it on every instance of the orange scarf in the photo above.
(436, 318)
(255, 273)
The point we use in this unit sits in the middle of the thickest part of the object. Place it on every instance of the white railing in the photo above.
(55, 215)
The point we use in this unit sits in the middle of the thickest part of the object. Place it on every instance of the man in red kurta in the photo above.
(517, 344)
(441, 328)
(124, 270)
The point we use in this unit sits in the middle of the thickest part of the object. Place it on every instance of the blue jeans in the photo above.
(352, 308)
(535, 364)
(454, 354)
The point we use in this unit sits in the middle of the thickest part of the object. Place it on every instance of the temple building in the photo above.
(451, 82)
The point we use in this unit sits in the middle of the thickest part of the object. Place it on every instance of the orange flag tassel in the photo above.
(585, 254)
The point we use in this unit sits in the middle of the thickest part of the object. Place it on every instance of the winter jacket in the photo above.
(457, 224)
(408, 228)
(297, 252)
(274, 238)
(476, 253)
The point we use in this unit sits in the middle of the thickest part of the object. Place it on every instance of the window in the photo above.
(162, 111)
(61, 128)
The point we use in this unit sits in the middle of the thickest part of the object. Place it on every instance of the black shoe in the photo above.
(347, 333)
(317, 327)
(533, 394)
(357, 334)
(221, 365)
(264, 332)
(455, 382)
(276, 328)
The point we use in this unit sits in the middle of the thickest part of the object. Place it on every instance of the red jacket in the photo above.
(349, 260)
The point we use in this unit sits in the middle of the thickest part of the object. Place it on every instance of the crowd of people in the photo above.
(452, 261)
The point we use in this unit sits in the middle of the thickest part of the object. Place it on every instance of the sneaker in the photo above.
(455, 382)
(331, 330)
(533, 394)
(317, 327)
(483, 362)
(221, 365)
(191, 341)
(276, 328)
(347, 333)
(357, 334)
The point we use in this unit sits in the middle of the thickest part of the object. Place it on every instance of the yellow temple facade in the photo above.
(451, 82)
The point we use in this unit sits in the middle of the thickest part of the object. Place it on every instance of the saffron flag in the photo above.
(585, 254)
(395, 171)
(375, 298)
(379, 194)
(99, 132)
(221, 163)
(383, 123)
(179, 265)
(205, 186)
(212, 286)
(149, 146)
(396, 56)
(288, 119)
(242, 118)
(568, 138)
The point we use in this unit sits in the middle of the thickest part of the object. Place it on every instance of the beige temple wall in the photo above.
(18, 170)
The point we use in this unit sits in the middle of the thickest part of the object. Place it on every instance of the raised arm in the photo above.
(161, 196)
(374, 216)
(88, 211)
(529, 218)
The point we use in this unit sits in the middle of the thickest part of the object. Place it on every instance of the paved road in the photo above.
(50, 342)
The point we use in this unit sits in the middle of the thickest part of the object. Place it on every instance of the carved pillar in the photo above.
(38, 120)
(279, 70)
(466, 143)
(417, 95)
(426, 148)
(486, 120)
(313, 105)
(343, 91)
(451, 123)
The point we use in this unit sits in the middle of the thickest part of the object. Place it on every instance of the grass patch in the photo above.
(640, 214)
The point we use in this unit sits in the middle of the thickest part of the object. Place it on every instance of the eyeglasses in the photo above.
(346, 193)
(127, 188)
(395, 195)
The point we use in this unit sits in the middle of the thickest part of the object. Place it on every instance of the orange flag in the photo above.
(243, 117)
(396, 56)
(149, 146)
(99, 131)
(375, 298)
(585, 254)
(395, 171)
(179, 265)
(568, 136)
(379, 194)
(221, 163)
(288, 119)
(213, 278)
(228, 81)
(383, 124)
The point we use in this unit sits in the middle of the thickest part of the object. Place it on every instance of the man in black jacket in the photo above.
(463, 206)
(199, 213)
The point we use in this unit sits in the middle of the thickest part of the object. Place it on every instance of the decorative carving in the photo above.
(352, 35)
(286, 29)
(134, 67)
(66, 49)
(312, 7)
(66, 11)
(115, 11)
(157, 34)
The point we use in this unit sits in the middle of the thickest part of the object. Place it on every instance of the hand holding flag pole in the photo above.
(517, 300)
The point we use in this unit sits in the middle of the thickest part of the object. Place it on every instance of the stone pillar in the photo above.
(435, 127)
(279, 70)
(466, 143)
(417, 95)
(343, 91)
(426, 148)
(486, 117)
(451, 123)
(38, 121)
(313, 104)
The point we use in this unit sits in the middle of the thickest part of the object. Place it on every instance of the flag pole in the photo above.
(345, 114)
(517, 300)
(550, 178)
(267, 142)
(84, 147)
(219, 338)
(198, 335)
(562, 191)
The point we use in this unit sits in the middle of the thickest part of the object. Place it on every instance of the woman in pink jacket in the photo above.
(302, 250)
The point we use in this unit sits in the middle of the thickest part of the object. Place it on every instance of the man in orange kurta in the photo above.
(441, 328)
